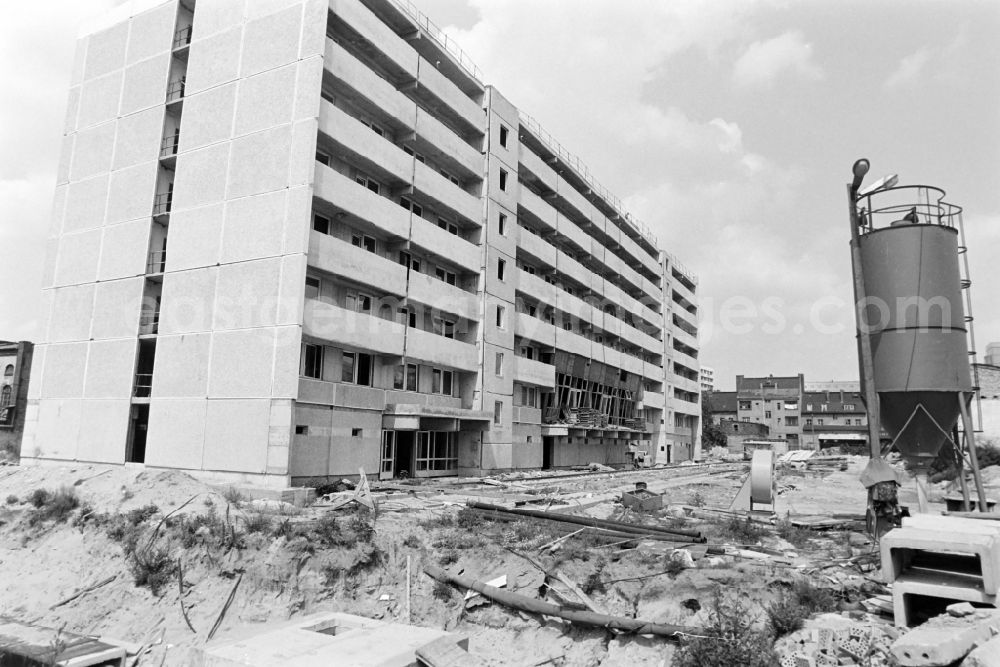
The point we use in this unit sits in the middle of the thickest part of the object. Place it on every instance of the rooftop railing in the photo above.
(439, 36)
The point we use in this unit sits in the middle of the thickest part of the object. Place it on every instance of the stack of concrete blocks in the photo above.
(949, 558)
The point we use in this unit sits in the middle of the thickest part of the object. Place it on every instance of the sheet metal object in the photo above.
(762, 478)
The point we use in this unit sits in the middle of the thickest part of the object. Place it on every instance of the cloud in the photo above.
(910, 68)
(765, 61)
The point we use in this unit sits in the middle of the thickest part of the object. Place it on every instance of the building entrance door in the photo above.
(403, 462)
(548, 443)
(387, 469)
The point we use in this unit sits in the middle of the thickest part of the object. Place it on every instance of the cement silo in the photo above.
(914, 324)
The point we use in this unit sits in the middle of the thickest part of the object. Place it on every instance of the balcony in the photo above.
(162, 203)
(448, 100)
(446, 245)
(332, 323)
(685, 384)
(651, 399)
(440, 296)
(684, 337)
(143, 386)
(156, 262)
(534, 329)
(448, 148)
(643, 340)
(536, 288)
(182, 38)
(149, 322)
(384, 46)
(531, 371)
(357, 76)
(535, 246)
(341, 258)
(447, 194)
(538, 210)
(574, 233)
(632, 365)
(168, 145)
(175, 89)
(374, 154)
(573, 268)
(684, 406)
(431, 348)
(360, 202)
(524, 415)
(573, 342)
(685, 360)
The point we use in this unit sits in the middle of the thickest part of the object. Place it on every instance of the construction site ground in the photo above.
(228, 564)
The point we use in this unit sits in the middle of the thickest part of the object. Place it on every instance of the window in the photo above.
(501, 317)
(450, 177)
(321, 224)
(809, 407)
(322, 158)
(529, 397)
(312, 287)
(364, 241)
(450, 227)
(819, 422)
(301, 430)
(409, 262)
(359, 302)
(497, 413)
(809, 422)
(791, 421)
(417, 156)
(502, 225)
(503, 136)
(503, 180)
(444, 328)
(369, 183)
(857, 422)
(312, 361)
(824, 407)
(744, 405)
(527, 352)
(445, 275)
(436, 450)
(501, 268)
(405, 377)
(499, 364)
(411, 206)
(441, 381)
(375, 128)
(849, 407)
(356, 368)
(767, 414)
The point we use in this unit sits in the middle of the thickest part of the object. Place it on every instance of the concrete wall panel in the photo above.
(72, 308)
(110, 369)
(182, 366)
(310, 451)
(291, 303)
(271, 41)
(92, 151)
(176, 433)
(308, 85)
(237, 431)
(138, 139)
(58, 429)
(116, 309)
(208, 117)
(195, 237)
(216, 16)
(152, 32)
(287, 348)
(131, 193)
(106, 51)
(145, 84)
(64, 370)
(348, 452)
(201, 176)
(247, 294)
(298, 220)
(79, 61)
(260, 162)
(254, 227)
(302, 161)
(99, 100)
(78, 257)
(85, 204)
(65, 158)
(188, 301)
(266, 100)
(102, 438)
(49, 266)
(497, 456)
(231, 374)
(125, 247)
(214, 60)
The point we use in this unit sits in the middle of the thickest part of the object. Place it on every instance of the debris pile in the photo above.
(838, 639)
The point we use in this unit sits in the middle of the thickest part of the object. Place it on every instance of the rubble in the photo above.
(945, 639)
(837, 639)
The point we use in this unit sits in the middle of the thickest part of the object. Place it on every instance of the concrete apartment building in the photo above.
(707, 376)
(15, 361)
(299, 237)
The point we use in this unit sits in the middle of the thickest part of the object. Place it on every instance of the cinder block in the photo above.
(944, 640)
(985, 655)
(972, 553)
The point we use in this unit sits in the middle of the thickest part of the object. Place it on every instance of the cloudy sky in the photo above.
(729, 128)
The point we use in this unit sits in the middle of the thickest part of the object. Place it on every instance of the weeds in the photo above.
(12, 499)
(794, 535)
(729, 639)
(153, 568)
(785, 615)
(257, 522)
(742, 531)
(813, 598)
(412, 542)
(696, 499)
(233, 495)
(442, 591)
(54, 507)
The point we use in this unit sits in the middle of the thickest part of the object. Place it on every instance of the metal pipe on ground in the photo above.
(599, 534)
(588, 618)
(676, 535)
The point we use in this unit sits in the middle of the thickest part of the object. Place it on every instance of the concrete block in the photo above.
(216, 16)
(985, 655)
(247, 294)
(951, 549)
(238, 431)
(176, 433)
(944, 640)
(103, 439)
(951, 587)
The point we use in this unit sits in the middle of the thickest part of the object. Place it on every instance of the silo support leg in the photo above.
(970, 444)
(921, 480)
(960, 459)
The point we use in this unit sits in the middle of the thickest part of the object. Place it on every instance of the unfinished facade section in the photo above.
(294, 239)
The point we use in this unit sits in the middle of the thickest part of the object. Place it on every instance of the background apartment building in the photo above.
(297, 238)
(707, 377)
(15, 361)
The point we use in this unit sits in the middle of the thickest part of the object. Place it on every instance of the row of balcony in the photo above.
(328, 322)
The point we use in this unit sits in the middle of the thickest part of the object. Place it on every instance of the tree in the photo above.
(711, 434)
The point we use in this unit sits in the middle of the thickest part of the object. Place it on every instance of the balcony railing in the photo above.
(143, 386)
(149, 322)
(182, 37)
(156, 262)
(162, 202)
(168, 147)
(175, 90)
